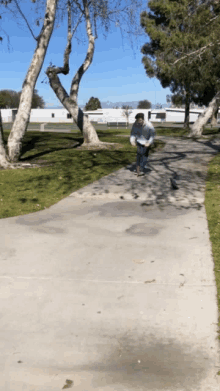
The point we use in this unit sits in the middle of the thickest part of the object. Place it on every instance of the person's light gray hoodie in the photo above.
(143, 133)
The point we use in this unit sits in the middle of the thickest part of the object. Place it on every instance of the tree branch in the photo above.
(212, 20)
(79, 6)
(24, 17)
(196, 52)
(65, 68)
(57, 86)
(89, 56)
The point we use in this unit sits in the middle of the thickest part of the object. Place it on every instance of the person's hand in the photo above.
(147, 144)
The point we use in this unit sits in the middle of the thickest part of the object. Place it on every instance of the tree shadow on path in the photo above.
(186, 162)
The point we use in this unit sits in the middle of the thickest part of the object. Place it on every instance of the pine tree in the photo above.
(174, 28)
(93, 104)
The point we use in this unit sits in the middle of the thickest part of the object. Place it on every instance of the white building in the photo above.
(174, 115)
(6, 115)
(39, 115)
(115, 115)
(62, 115)
(104, 115)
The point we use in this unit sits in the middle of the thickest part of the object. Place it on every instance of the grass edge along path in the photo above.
(212, 206)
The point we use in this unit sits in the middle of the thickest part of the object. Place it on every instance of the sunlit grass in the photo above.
(212, 205)
(64, 169)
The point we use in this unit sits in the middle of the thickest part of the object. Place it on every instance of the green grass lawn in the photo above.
(64, 169)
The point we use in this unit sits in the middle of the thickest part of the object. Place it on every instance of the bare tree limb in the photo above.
(24, 17)
(65, 68)
(89, 56)
(79, 6)
(97, 9)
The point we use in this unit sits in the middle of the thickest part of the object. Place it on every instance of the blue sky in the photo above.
(116, 73)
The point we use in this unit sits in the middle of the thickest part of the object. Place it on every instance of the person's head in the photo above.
(139, 119)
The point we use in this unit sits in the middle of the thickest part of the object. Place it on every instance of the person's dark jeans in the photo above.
(141, 152)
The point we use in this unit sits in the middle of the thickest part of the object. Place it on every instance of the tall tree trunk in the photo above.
(81, 120)
(214, 120)
(89, 133)
(21, 122)
(187, 107)
(70, 101)
(3, 155)
(197, 128)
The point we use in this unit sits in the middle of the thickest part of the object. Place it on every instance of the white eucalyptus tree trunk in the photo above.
(22, 118)
(82, 121)
(4, 161)
(70, 102)
(214, 120)
(92, 11)
(197, 127)
(89, 133)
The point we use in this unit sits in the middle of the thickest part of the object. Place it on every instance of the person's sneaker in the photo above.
(141, 174)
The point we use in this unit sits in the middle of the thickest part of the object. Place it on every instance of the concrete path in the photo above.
(106, 293)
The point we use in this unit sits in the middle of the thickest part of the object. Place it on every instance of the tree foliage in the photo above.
(37, 101)
(10, 99)
(176, 28)
(178, 100)
(144, 104)
(93, 104)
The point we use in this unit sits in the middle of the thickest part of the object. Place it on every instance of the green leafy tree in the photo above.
(10, 99)
(206, 54)
(93, 104)
(174, 28)
(37, 101)
(144, 104)
(2, 102)
(176, 99)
